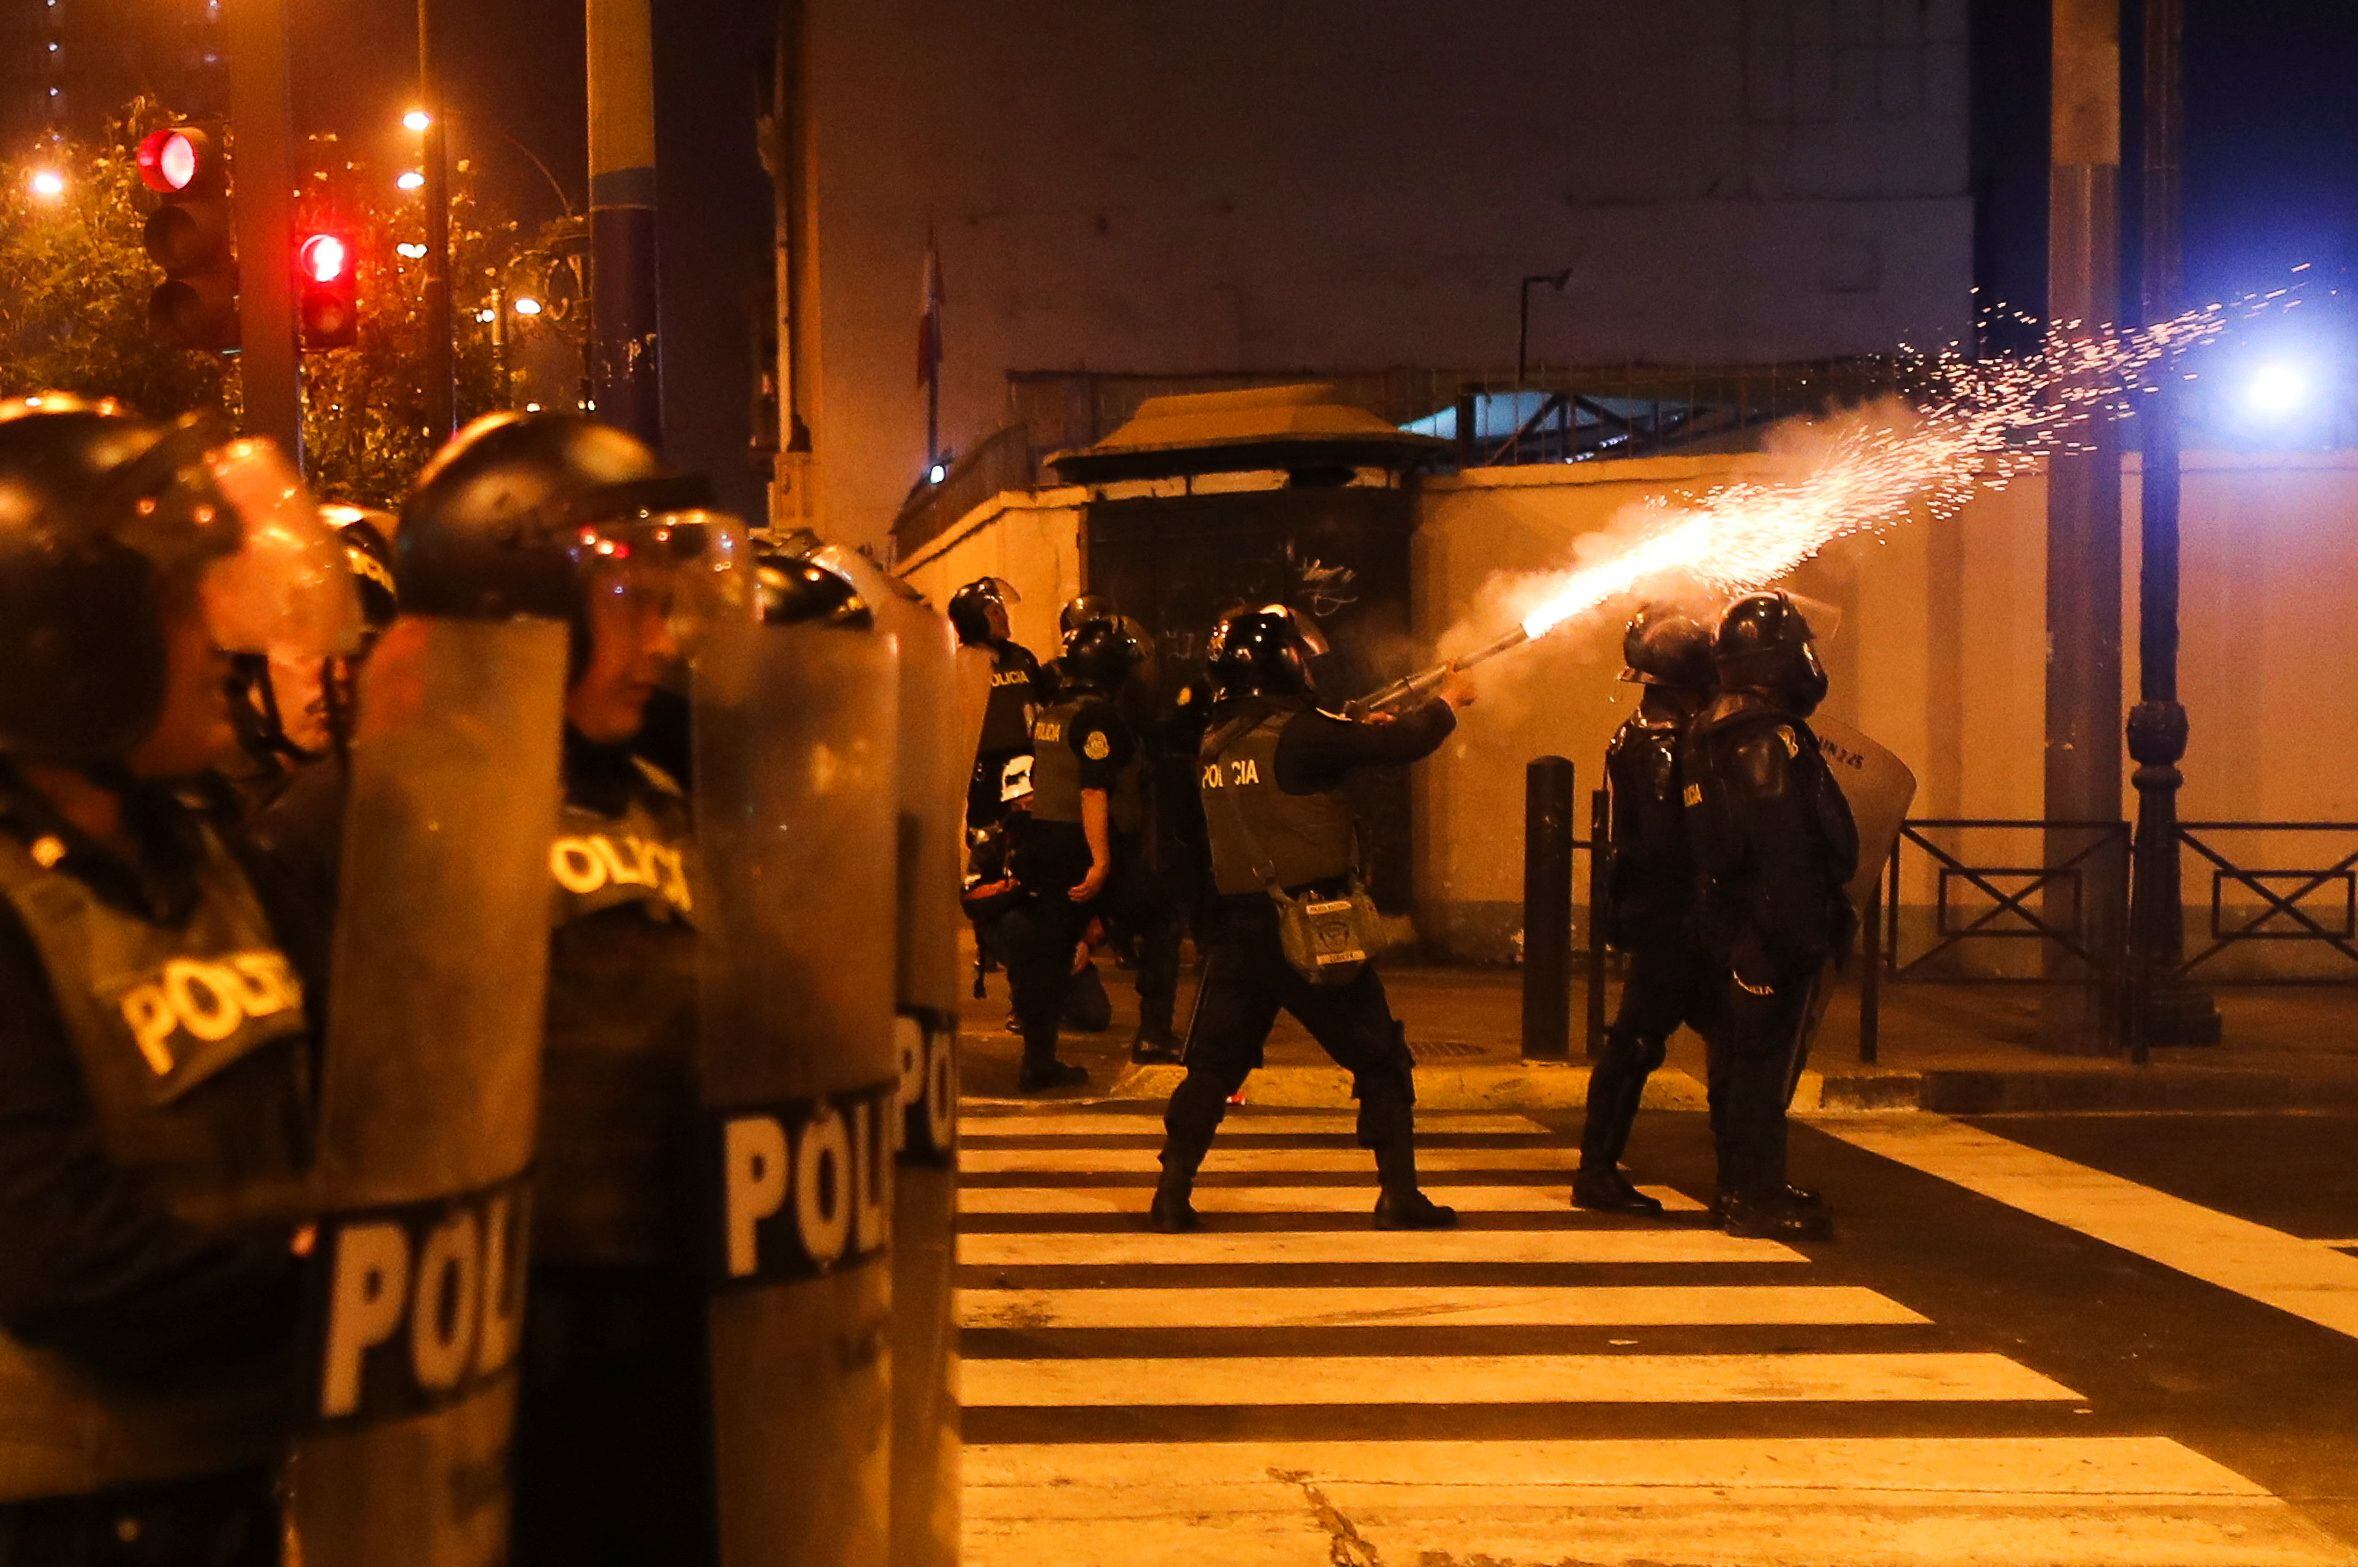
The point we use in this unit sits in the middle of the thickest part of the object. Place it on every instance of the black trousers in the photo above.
(1669, 985)
(1246, 982)
(1755, 1046)
(221, 1521)
(614, 1434)
(1140, 907)
(1038, 938)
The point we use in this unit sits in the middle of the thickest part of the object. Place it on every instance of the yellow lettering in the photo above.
(150, 1017)
(576, 866)
(625, 871)
(203, 995)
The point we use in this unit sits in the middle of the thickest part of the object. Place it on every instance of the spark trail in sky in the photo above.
(1971, 425)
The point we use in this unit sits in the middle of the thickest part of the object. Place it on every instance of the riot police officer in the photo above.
(1774, 846)
(1649, 902)
(562, 516)
(290, 711)
(978, 613)
(1084, 759)
(156, 1057)
(1290, 928)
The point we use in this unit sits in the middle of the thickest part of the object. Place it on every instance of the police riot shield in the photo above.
(1879, 788)
(428, 1099)
(940, 695)
(795, 805)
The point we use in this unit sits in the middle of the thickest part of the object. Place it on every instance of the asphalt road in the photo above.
(2066, 1340)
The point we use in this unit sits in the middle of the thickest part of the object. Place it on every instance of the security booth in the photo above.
(1206, 503)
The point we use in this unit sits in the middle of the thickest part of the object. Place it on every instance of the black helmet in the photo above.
(1259, 652)
(1664, 646)
(367, 537)
(510, 517)
(1100, 655)
(798, 581)
(1081, 610)
(106, 522)
(1765, 645)
(978, 611)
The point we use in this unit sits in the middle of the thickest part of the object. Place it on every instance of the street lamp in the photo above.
(417, 120)
(411, 179)
(526, 305)
(47, 185)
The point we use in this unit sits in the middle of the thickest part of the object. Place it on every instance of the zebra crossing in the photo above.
(1539, 1386)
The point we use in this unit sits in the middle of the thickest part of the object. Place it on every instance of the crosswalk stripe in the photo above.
(1141, 1124)
(1113, 1161)
(1244, 1248)
(1550, 1198)
(1275, 1380)
(1526, 1306)
(1890, 1502)
(2148, 1466)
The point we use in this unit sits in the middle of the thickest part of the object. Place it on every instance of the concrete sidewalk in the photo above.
(1957, 1049)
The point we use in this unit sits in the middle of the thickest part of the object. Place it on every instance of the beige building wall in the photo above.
(1326, 185)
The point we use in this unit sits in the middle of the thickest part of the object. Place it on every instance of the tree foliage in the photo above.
(75, 279)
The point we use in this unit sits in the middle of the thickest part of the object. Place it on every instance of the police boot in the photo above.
(1610, 1191)
(1773, 1216)
(1173, 1211)
(1154, 1046)
(1402, 1206)
(1038, 1076)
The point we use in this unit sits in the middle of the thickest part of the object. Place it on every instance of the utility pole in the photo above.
(2083, 710)
(262, 112)
(629, 392)
(1555, 280)
(441, 369)
(2167, 1010)
(793, 501)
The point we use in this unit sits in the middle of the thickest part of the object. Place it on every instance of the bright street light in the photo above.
(526, 305)
(414, 252)
(2278, 387)
(417, 120)
(411, 179)
(47, 184)
(937, 473)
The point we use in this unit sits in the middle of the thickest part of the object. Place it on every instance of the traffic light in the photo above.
(327, 294)
(192, 236)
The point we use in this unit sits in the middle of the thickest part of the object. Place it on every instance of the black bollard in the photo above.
(1547, 910)
(1600, 870)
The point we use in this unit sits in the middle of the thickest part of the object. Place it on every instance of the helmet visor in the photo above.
(1825, 619)
(692, 569)
(284, 586)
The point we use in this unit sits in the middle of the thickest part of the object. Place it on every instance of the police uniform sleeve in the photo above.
(1104, 744)
(92, 1264)
(1318, 750)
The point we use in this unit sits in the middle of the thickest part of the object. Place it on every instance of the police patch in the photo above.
(1097, 747)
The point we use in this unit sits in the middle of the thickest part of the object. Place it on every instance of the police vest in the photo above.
(191, 1041)
(1716, 830)
(1251, 822)
(619, 1084)
(1650, 887)
(1056, 766)
(1007, 719)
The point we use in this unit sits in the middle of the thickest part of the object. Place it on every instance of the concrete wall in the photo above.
(1132, 185)
(1031, 540)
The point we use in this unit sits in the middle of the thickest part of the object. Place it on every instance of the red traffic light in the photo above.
(324, 258)
(175, 158)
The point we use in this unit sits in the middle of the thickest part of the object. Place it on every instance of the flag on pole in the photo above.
(929, 316)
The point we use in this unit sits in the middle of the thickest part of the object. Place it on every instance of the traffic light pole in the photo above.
(441, 368)
(629, 389)
(263, 114)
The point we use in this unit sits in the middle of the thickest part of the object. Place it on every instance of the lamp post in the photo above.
(441, 346)
(1555, 280)
(2167, 1010)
